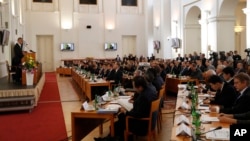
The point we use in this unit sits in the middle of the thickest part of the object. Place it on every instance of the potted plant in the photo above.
(29, 67)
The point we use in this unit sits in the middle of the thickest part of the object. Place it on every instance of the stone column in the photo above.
(247, 12)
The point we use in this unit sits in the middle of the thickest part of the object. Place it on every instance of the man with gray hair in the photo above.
(219, 70)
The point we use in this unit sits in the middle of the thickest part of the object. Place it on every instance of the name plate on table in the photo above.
(184, 106)
(183, 130)
(182, 119)
(87, 107)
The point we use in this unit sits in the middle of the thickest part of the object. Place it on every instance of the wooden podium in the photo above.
(37, 72)
(27, 55)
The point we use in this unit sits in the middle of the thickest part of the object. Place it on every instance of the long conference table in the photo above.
(173, 82)
(181, 97)
(86, 85)
(83, 122)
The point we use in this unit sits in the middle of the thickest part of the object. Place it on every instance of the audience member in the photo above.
(241, 104)
(225, 93)
(141, 109)
(228, 75)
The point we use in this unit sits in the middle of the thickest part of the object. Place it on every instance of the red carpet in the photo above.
(44, 123)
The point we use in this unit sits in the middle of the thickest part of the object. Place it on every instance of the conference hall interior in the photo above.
(93, 69)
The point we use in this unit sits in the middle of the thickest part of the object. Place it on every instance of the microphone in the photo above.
(197, 137)
(217, 128)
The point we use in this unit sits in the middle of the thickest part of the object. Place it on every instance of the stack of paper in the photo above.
(222, 134)
(206, 118)
(126, 104)
(111, 108)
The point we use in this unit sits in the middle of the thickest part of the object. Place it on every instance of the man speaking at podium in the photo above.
(17, 59)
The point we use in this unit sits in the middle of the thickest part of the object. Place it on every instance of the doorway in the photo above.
(128, 45)
(45, 52)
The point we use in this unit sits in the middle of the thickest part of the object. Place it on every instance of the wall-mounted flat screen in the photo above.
(67, 47)
(110, 46)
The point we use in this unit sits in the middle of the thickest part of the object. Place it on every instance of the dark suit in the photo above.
(141, 109)
(115, 75)
(158, 82)
(243, 118)
(118, 76)
(110, 75)
(226, 96)
(18, 54)
(197, 74)
(231, 82)
(241, 104)
(179, 59)
(16, 61)
(184, 71)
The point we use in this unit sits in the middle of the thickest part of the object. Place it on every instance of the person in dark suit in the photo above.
(228, 75)
(141, 108)
(115, 74)
(236, 58)
(225, 93)
(241, 104)
(243, 118)
(195, 72)
(179, 58)
(17, 59)
(239, 68)
(118, 73)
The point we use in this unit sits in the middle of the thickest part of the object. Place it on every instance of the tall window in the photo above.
(129, 2)
(88, 2)
(48, 1)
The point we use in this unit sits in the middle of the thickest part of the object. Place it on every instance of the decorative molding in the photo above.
(221, 18)
(192, 26)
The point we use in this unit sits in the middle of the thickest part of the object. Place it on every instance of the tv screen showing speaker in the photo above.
(67, 47)
(110, 46)
(5, 37)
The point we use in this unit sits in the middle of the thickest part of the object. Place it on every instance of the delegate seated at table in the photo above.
(141, 108)
(225, 93)
(241, 104)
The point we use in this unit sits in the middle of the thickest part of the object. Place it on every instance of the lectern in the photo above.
(26, 57)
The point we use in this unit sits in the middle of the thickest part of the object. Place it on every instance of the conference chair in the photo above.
(159, 117)
(9, 70)
(152, 121)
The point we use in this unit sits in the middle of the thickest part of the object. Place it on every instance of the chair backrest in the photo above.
(161, 93)
(7, 66)
(154, 113)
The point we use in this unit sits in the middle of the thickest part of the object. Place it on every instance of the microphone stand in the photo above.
(197, 137)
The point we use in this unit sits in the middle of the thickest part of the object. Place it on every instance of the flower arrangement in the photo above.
(30, 64)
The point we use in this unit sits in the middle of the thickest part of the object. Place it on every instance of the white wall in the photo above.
(49, 19)
(88, 42)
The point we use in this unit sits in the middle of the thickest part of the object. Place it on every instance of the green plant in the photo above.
(30, 64)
